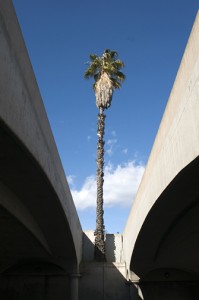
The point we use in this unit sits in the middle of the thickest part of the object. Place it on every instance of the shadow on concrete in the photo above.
(27, 269)
(34, 280)
(169, 234)
(165, 254)
(176, 290)
(110, 248)
(105, 280)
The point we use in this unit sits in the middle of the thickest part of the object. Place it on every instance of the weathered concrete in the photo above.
(34, 287)
(40, 232)
(170, 290)
(161, 235)
(103, 280)
(114, 247)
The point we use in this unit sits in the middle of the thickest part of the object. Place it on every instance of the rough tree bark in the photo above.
(99, 232)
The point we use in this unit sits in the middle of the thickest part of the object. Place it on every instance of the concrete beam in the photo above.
(176, 144)
(24, 122)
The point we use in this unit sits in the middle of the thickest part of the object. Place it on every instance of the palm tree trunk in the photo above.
(100, 228)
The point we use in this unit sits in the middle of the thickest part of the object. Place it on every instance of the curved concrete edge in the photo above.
(176, 143)
(21, 213)
(22, 110)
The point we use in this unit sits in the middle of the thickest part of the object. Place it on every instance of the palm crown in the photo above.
(107, 75)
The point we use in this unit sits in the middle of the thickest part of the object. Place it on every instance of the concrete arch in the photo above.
(35, 197)
(168, 238)
(167, 198)
(29, 202)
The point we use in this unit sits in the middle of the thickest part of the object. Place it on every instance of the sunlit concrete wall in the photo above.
(22, 110)
(103, 280)
(39, 256)
(113, 246)
(176, 143)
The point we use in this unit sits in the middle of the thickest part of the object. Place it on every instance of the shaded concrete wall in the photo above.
(113, 244)
(103, 280)
(170, 290)
(34, 287)
(37, 261)
(176, 143)
(22, 110)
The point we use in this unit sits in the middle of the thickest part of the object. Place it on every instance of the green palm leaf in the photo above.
(108, 63)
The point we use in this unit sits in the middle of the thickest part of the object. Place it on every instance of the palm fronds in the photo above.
(108, 63)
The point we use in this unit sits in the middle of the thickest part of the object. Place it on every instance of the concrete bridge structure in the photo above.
(43, 251)
(40, 233)
(161, 238)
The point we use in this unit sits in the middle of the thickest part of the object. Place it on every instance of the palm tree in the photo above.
(107, 77)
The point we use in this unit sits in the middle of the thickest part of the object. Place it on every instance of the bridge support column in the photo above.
(74, 286)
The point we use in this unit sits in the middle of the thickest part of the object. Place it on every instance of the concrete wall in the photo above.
(176, 143)
(113, 244)
(34, 287)
(103, 280)
(22, 111)
(170, 290)
(40, 232)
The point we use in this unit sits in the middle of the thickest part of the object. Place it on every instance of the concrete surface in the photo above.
(103, 280)
(40, 231)
(163, 226)
(113, 244)
(170, 290)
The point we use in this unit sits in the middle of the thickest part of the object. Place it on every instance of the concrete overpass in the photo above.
(40, 233)
(161, 238)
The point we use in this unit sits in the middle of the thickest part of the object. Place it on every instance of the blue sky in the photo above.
(150, 37)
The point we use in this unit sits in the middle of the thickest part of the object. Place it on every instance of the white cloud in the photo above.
(120, 186)
(88, 138)
(84, 198)
(70, 179)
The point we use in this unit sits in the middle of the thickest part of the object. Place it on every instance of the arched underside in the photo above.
(167, 246)
(33, 226)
